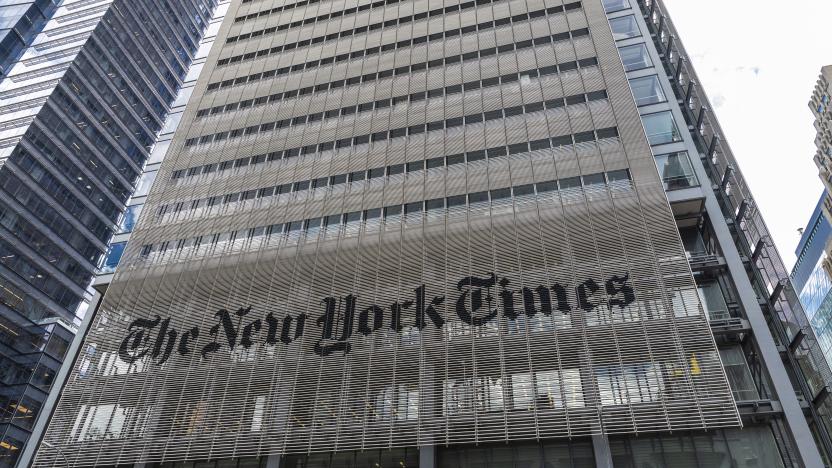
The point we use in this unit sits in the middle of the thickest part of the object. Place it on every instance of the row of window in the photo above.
(60, 189)
(391, 23)
(278, 9)
(453, 89)
(619, 177)
(288, 6)
(44, 211)
(350, 110)
(436, 63)
(290, 153)
(45, 247)
(396, 132)
(391, 170)
(14, 261)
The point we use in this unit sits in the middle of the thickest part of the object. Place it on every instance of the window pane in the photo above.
(660, 128)
(635, 57)
(624, 27)
(739, 376)
(647, 90)
(676, 171)
(144, 184)
(131, 215)
(615, 5)
(113, 257)
(712, 299)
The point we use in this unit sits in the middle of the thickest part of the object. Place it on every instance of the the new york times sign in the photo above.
(342, 317)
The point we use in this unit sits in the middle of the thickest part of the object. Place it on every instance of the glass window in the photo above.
(615, 5)
(145, 183)
(131, 215)
(676, 171)
(624, 27)
(739, 376)
(635, 57)
(710, 294)
(647, 90)
(113, 257)
(661, 128)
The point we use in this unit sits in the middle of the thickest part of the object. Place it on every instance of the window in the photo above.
(113, 257)
(676, 171)
(624, 27)
(131, 215)
(615, 5)
(739, 376)
(144, 184)
(647, 90)
(630, 383)
(635, 57)
(661, 128)
(710, 294)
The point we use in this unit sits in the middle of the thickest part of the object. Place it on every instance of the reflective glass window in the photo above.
(647, 90)
(113, 257)
(615, 5)
(635, 57)
(131, 215)
(661, 128)
(624, 27)
(676, 171)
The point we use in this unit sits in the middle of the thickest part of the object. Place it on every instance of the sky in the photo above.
(758, 62)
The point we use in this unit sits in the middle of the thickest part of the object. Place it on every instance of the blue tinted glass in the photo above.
(113, 257)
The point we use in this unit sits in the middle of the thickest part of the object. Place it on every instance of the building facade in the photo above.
(819, 105)
(811, 278)
(86, 87)
(434, 234)
(20, 23)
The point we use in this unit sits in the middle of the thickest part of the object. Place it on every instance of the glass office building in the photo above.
(86, 87)
(469, 233)
(811, 278)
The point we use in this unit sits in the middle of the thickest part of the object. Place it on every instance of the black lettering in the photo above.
(327, 322)
(429, 311)
(364, 319)
(167, 339)
(190, 335)
(472, 286)
(585, 290)
(248, 331)
(618, 285)
(227, 325)
(507, 299)
(562, 298)
(396, 315)
(135, 344)
(544, 298)
(285, 333)
(271, 326)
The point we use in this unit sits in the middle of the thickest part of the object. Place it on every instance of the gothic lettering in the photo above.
(135, 345)
(472, 286)
(364, 320)
(585, 291)
(423, 310)
(618, 285)
(475, 305)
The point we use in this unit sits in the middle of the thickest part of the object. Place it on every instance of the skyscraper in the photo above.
(411, 233)
(86, 86)
(811, 278)
(819, 105)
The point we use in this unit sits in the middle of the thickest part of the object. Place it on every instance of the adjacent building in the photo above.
(811, 277)
(416, 233)
(86, 86)
(819, 105)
